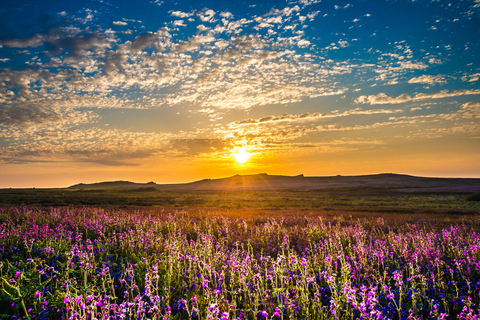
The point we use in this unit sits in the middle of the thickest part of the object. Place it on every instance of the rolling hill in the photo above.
(265, 182)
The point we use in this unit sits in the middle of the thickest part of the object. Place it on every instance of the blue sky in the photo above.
(171, 90)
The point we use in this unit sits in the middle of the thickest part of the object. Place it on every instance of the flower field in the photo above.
(93, 263)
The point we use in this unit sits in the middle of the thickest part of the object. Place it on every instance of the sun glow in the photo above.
(241, 156)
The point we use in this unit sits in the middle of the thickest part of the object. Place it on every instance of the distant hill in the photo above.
(265, 182)
(110, 185)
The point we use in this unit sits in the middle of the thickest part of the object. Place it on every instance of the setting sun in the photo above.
(242, 156)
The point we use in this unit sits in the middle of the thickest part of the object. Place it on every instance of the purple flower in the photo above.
(277, 313)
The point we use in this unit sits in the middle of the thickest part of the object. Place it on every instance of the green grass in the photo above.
(335, 199)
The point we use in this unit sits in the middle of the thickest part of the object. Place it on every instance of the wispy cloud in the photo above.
(382, 98)
(120, 23)
(181, 14)
(314, 116)
(428, 79)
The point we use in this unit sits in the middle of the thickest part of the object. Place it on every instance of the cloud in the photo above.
(471, 77)
(313, 116)
(193, 147)
(114, 61)
(107, 147)
(226, 15)
(109, 162)
(119, 23)
(206, 15)
(74, 40)
(181, 14)
(193, 43)
(412, 65)
(302, 43)
(382, 98)
(179, 23)
(470, 110)
(22, 115)
(79, 44)
(18, 115)
(110, 158)
(287, 11)
(143, 41)
(176, 72)
(428, 79)
(35, 41)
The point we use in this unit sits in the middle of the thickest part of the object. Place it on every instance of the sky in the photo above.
(177, 91)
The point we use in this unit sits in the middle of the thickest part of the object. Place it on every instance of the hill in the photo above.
(110, 185)
(265, 182)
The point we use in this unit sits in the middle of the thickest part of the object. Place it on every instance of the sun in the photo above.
(242, 156)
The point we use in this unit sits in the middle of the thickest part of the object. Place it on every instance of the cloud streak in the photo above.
(314, 116)
(382, 98)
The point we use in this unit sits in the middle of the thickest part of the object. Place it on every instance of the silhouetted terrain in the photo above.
(265, 182)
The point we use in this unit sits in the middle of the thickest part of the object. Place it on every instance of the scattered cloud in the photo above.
(470, 110)
(34, 41)
(143, 41)
(193, 147)
(314, 116)
(382, 98)
(206, 15)
(120, 23)
(471, 77)
(428, 79)
(19, 115)
(181, 14)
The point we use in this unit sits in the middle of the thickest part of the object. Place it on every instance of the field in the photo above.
(148, 252)
(87, 263)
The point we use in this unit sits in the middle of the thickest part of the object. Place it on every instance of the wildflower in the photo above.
(263, 313)
(277, 313)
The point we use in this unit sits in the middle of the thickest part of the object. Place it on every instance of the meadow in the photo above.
(114, 263)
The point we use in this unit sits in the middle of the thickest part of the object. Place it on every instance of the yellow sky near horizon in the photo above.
(165, 170)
